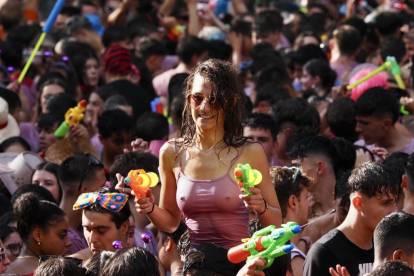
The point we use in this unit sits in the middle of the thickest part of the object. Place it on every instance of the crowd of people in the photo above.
(316, 95)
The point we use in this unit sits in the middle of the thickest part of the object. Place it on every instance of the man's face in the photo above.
(273, 38)
(100, 232)
(302, 208)
(371, 128)
(374, 209)
(341, 211)
(309, 166)
(116, 143)
(263, 136)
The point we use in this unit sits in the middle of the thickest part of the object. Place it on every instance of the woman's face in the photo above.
(94, 106)
(91, 77)
(13, 244)
(49, 91)
(48, 181)
(4, 260)
(56, 241)
(307, 81)
(204, 115)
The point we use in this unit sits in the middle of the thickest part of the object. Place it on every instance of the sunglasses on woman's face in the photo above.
(197, 100)
(44, 258)
(14, 248)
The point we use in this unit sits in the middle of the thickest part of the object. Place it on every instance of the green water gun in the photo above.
(247, 177)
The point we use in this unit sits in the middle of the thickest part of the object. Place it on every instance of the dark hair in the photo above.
(393, 47)
(175, 88)
(272, 61)
(6, 231)
(316, 145)
(5, 205)
(132, 161)
(51, 168)
(372, 179)
(48, 76)
(113, 34)
(31, 212)
(297, 112)
(152, 126)
(409, 172)
(392, 233)
(348, 39)
(10, 16)
(392, 268)
(114, 121)
(119, 264)
(378, 102)
(272, 94)
(57, 81)
(97, 261)
(229, 96)
(60, 266)
(263, 121)
(119, 217)
(308, 52)
(189, 46)
(176, 235)
(282, 179)
(396, 162)
(301, 37)
(219, 49)
(48, 121)
(358, 24)
(341, 188)
(14, 141)
(296, 135)
(7, 218)
(266, 22)
(11, 53)
(12, 99)
(40, 192)
(114, 101)
(340, 117)
(72, 170)
(322, 69)
(79, 60)
(147, 47)
(242, 27)
(60, 103)
(70, 11)
(259, 48)
(346, 153)
(388, 23)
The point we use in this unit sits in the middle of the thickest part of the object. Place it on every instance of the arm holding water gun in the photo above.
(72, 118)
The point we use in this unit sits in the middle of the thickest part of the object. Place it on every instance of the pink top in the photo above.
(212, 209)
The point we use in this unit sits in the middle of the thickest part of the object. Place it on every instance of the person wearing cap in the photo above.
(8, 125)
(82, 29)
(119, 70)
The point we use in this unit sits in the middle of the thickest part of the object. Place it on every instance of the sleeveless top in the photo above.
(212, 209)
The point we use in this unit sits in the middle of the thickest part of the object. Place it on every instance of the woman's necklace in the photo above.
(27, 257)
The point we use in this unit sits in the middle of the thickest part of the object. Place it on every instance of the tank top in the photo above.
(212, 209)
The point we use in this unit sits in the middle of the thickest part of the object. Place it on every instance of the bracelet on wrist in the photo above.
(265, 207)
(152, 210)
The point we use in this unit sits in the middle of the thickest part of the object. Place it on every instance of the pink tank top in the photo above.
(212, 209)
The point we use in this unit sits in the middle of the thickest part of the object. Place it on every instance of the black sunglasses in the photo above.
(14, 248)
(92, 161)
(44, 258)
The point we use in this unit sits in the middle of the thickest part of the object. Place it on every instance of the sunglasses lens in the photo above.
(196, 100)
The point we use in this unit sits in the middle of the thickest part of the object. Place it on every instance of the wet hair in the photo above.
(228, 95)
(176, 235)
(379, 103)
(341, 189)
(297, 112)
(387, 23)
(175, 88)
(266, 22)
(340, 117)
(60, 266)
(316, 145)
(114, 34)
(51, 168)
(177, 109)
(373, 180)
(346, 154)
(261, 121)
(143, 260)
(119, 217)
(322, 69)
(114, 121)
(393, 47)
(348, 39)
(392, 268)
(34, 213)
(6, 231)
(97, 261)
(392, 233)
(7, 218)
(285, 186)
(126, 162)
(409, 172)
(16, 140)
(72, 170)
(148, 47)
(40, 192)
(190, 46)
(152, 126)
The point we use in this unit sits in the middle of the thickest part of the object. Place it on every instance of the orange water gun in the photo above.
(140, 181)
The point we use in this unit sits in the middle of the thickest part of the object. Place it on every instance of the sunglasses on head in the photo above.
(14, 248)
(296, 173)
(44, 258)
(196, 100)
(2, 254)
(92, 161)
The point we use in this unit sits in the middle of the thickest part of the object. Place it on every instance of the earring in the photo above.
(38, 243)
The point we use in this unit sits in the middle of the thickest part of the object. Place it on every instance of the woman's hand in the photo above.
(249, 269)
(120, 186)
(146, 204)
(254, 202)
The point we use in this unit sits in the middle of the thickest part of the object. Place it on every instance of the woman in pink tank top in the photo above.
(196, 170)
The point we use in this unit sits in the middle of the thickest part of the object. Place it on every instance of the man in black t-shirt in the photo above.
(373, 193)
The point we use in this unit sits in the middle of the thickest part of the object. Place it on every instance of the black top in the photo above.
(139, 99)
(334, 248)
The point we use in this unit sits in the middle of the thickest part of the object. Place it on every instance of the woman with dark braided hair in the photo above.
(197, 169)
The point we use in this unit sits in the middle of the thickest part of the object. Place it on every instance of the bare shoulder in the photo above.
(253, 147)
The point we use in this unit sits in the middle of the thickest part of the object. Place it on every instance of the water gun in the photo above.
(140, 181)
(72, 118)
(247, 177)
(265, 245)
(157, 107)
